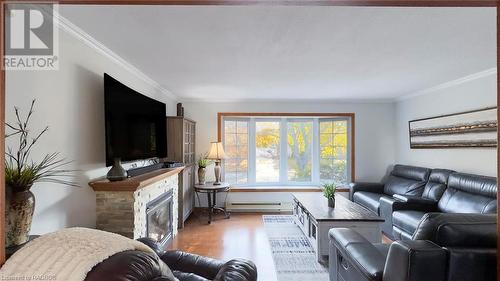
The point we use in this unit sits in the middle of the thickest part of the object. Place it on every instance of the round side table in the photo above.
(211, 190)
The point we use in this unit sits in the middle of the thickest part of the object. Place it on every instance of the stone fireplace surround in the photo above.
(121, 206)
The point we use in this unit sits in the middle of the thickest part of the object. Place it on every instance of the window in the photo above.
(299, 150)
(236, 148)
(267, 151)
(286, 150)
(333, 150)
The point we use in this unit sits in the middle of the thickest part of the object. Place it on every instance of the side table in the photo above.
(211, 190)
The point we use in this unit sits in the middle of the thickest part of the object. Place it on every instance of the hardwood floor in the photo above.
(241, 236)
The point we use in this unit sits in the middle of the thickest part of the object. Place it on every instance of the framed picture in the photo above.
(476, 128)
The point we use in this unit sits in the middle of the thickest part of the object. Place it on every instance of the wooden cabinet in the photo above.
(187, 205)
(181, 141)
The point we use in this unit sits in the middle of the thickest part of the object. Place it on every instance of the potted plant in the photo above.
(21, 172)
(202, 165)
(329, 190)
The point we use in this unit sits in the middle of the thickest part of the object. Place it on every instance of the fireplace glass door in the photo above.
(159, 219)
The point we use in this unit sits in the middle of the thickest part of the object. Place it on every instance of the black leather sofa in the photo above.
(407, 180)
(141, 266)
(446, 247)
(464, 193)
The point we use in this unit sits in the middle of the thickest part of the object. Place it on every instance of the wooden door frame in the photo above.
(367, 3)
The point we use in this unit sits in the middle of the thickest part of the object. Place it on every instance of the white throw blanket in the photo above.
(66, 255)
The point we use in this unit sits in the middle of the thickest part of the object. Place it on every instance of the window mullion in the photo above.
(251, 152)
(315, 155)
(348, 150)
(283, 151)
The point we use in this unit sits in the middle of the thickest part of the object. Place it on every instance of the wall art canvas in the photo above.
(477, 128)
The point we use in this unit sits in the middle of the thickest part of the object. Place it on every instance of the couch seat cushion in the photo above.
(407, 220)
(368, 200)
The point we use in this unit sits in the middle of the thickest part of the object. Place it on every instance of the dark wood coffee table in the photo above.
(315, 219)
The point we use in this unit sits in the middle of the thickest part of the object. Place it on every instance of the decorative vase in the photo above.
(331, 202)
(201, 175)
(20, 206)
(117, 172)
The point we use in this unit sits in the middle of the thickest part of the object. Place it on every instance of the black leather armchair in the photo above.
(464, 193)
(408, 180)
(433, 190)
(140, 266)
(461, 248)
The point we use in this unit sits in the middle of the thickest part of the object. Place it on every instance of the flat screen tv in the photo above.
(135, 124)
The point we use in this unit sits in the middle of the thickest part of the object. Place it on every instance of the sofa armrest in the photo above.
(415, 261)
(152, 244)
(413, 199)
(458, 230)
(357, 251)
(186, 262)
(365, 186)
(385, 209)
(415, 203)
(237, 270)
(131, 265)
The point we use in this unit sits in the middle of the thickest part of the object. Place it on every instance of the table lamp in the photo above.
(216, 153)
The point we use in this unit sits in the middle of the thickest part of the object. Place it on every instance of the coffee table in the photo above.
(315, 218)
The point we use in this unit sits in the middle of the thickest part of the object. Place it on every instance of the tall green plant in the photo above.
(329, 190)
(203, 162)
(21, 172)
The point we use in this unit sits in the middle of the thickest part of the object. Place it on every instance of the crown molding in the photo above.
(244, 100)
(78, 33)
(450, 84)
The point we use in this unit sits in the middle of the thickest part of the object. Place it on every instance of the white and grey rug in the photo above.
(293, 255)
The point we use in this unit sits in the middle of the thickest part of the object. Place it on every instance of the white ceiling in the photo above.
(251, 52)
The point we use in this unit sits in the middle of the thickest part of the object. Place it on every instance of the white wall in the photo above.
(474, 94)
(71, 102)
(375, 136)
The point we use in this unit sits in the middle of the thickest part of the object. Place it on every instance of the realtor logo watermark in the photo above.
(31, 37)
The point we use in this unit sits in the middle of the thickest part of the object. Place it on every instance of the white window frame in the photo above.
(250, 143)
(283, 178)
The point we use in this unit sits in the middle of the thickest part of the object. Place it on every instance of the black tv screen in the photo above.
(135, 124)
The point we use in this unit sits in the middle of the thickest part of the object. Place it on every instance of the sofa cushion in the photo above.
(469, 194)
(407, 220)
(411, 172)
(436, 185)
(395, 185)
(407, 180)
(368, 200)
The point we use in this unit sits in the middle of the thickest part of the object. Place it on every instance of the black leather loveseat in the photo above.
(446, 247)
(141, 266)
(464, 193)
(407, 180)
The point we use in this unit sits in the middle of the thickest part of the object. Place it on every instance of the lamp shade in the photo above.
(216, 151)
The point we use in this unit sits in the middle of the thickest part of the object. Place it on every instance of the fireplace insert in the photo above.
(159, 223)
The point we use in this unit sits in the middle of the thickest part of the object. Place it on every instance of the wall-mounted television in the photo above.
(135, 124)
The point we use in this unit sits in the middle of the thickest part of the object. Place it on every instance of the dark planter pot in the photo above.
(331, 202)
(18, 216)
(117, 173)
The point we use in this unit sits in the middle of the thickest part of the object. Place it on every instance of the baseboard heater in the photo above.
(259, 206)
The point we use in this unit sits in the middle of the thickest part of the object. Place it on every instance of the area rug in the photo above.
(293, 255)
